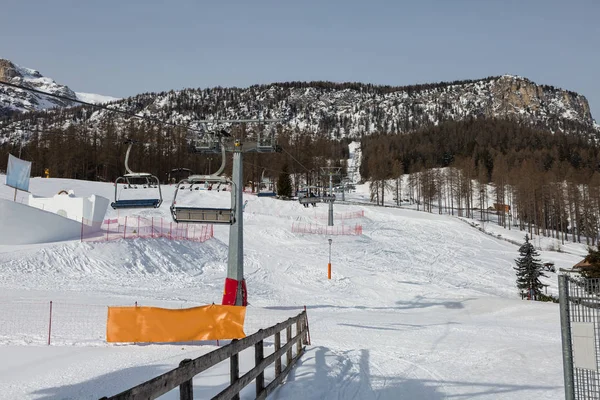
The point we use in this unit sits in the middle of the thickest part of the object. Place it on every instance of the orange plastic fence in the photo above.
(162, 325)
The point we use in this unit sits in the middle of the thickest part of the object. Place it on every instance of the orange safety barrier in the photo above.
(163, 325)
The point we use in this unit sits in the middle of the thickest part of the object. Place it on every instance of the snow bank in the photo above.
(22, 224)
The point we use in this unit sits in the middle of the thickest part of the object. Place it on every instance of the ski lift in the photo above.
(205, 215)
(269, 186)
(317, 199)
(148, 181)
(310, 198)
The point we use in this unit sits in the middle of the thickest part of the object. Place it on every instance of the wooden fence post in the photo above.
(258, 357)
(234, 370)
(298, 330)
(278, 359)
(307, 327)
(288, 336)
(186, 389)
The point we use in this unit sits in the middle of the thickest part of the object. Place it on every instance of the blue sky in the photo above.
(122, 48)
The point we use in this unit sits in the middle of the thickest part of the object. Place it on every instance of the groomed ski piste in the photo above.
(420, 306)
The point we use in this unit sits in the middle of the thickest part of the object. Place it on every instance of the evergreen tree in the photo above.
(529, 270)
(593, 258)
(284, 183)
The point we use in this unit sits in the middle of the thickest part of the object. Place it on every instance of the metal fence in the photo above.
(580, 329)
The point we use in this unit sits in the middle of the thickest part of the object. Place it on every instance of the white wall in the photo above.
(91, 209)
(21, 224)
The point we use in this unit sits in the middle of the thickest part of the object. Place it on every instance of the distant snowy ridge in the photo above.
(336, 110)
(12, 99)
(95, 98)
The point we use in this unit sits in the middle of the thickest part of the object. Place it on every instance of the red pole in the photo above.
(170, 229)
(50, 324)
(107, 229)
(125, 229)
(138, 231)
(161, 228)
(152, 227)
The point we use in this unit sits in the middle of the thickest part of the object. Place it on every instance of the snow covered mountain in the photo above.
(336, 110)
(95, 98)
(12, 99)
(354, 109)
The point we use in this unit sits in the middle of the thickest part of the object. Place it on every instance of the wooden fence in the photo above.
(183, 375)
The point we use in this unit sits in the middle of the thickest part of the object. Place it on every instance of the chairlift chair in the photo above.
(269, 187)
(202, 215)
(149, 180)
(205, 215)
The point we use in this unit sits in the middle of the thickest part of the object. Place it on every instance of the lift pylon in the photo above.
(235, 285)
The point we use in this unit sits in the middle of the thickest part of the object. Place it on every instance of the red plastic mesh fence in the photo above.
(140, 227)
(343, 216)
(305, 227)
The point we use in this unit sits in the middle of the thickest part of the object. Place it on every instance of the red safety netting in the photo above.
(304, 227)
(131, 227)
(343, 216)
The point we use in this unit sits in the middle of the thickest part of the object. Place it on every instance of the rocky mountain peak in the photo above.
(13, 99)
(8, 70)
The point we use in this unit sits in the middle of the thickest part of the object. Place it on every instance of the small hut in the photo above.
(582, 265)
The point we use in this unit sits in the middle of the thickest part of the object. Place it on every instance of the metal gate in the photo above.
(580, 330)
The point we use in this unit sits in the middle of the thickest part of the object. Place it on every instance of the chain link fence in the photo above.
(580, 329)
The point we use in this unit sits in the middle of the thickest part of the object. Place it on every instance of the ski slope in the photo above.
(421, 306)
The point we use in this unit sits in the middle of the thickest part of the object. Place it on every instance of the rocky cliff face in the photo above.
(12, 99)
(519, 96)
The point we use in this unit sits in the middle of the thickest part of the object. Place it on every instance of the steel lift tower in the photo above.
(331, 172)
(235, 286)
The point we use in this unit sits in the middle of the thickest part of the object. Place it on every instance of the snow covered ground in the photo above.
(421, 306)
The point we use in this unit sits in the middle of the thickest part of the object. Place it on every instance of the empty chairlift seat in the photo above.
(148, 181)
(136, 203)
(151, 181)
(202, 215)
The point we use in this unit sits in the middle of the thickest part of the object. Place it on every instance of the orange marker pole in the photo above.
(329, 264)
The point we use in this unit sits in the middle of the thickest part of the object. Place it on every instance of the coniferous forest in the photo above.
(98, 153)
(547, 183)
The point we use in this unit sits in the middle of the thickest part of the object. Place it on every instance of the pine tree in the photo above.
(529, 270)
(284, 183)
(593, 258)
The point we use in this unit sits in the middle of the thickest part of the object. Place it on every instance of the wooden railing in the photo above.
(183, 375)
